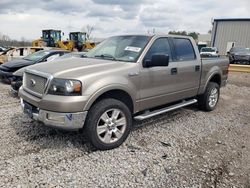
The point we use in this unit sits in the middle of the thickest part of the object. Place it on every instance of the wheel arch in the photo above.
(118, 93)
(215, 77)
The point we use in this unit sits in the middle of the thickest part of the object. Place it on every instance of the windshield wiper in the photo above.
(106, 56)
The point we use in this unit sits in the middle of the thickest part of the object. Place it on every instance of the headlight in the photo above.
(65, 87)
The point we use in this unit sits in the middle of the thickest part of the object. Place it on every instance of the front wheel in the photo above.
(210, 98)
(108, 124)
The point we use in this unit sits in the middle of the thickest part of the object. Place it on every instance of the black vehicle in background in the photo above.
(7, 69)
(239, 55)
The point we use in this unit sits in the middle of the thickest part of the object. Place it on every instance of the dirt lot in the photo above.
(184, 148)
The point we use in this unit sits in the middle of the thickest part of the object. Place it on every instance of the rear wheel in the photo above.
(108, 124)
(210, 98)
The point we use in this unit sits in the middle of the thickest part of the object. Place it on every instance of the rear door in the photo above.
(188, 67)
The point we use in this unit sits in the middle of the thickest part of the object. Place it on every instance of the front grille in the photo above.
(34, 83)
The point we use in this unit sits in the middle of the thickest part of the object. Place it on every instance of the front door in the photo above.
(157, 83)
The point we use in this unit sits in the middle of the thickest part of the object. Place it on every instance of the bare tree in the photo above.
(88, 29)
(5, 40)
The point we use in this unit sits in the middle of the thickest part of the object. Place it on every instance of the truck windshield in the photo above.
(120, 48)
(208, 49)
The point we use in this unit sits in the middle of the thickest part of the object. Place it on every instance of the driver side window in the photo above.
(160, 46)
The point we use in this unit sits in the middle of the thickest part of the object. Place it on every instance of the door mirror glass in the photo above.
(156, 60)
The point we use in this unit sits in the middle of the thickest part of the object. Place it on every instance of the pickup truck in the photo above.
(209, 52)
(123, 78)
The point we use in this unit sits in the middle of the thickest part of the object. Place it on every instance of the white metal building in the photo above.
(227, 33)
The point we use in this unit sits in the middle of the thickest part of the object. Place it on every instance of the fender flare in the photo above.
(209, 78)
(105, 89)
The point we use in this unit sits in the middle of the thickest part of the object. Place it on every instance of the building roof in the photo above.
(231, 19)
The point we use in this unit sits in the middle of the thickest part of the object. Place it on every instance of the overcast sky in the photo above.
(26, 18)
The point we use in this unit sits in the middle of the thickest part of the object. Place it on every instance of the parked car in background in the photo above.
(239, 55)
(7, 69)
(17, 83)
(209, 52)
(13, 53)
(123, 78)
(4, 55)
(73, 54)
(2, 49)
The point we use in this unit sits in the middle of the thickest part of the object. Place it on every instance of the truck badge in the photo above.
(32, 82)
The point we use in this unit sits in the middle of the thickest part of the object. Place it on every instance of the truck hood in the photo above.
(75, 68)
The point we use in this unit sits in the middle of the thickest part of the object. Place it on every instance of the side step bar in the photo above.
(164, 110)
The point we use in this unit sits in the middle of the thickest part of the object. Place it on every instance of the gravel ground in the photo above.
(184, 148)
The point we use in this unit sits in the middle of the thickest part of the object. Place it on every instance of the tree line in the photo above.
(191, 34)
(6, 41)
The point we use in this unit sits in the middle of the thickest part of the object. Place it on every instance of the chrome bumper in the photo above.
(68, 121)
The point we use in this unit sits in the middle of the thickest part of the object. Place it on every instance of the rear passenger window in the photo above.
(160, 46)
(184, 49)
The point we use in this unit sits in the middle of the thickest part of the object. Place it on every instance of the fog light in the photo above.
(58, 118)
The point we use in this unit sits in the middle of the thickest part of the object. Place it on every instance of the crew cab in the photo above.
(124, 78)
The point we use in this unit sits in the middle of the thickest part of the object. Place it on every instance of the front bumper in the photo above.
(6, 76)
(67, 121)
(15, 85)
(57, 103)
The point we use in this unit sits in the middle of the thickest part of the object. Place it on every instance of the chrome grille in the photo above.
(34, 83)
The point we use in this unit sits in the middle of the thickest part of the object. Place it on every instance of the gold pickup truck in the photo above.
(124, 78)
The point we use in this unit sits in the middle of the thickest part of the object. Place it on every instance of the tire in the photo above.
(16, 85)
(114, 120)
(210, 98)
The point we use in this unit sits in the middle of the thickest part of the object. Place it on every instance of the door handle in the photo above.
(174, 71)
(197, 68)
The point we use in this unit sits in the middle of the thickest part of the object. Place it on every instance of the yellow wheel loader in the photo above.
(80, 41)
(52, 38)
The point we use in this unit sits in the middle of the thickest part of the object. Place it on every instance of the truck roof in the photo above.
(157, 35)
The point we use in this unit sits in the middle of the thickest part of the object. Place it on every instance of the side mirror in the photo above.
(157, 60)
